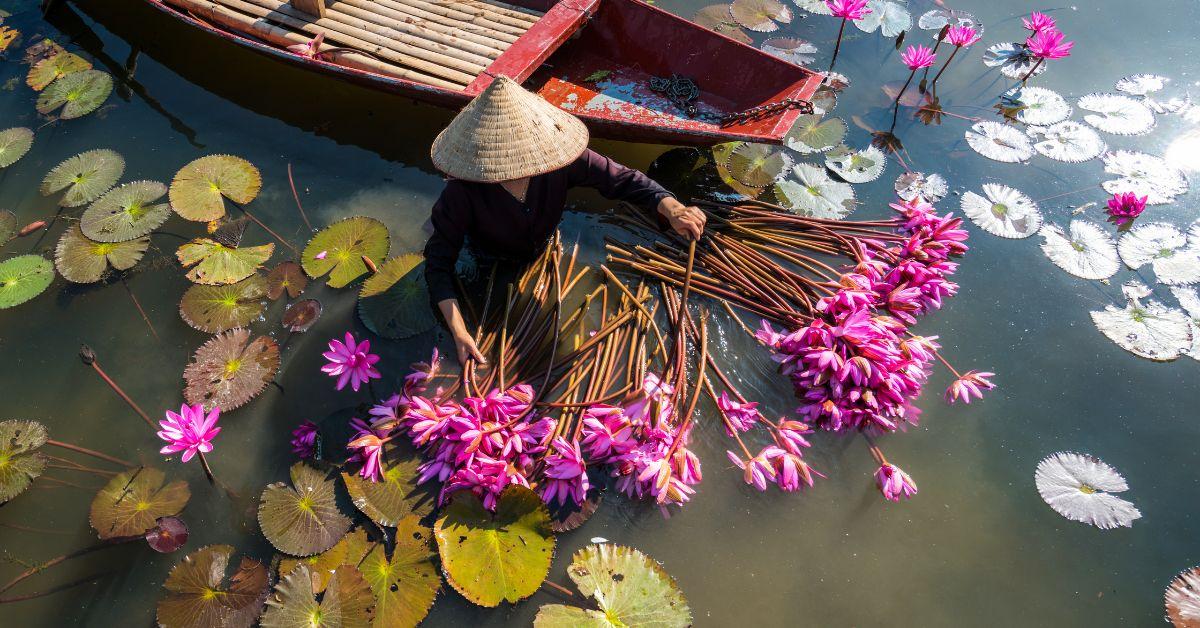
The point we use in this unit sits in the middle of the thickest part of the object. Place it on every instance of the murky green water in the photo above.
(976, 547)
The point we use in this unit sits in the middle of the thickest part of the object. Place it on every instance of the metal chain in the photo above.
(683, 93)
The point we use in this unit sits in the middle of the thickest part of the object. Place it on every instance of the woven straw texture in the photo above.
(507, 133)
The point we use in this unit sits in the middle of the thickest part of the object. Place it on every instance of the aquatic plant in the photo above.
(230, 369)
(1038, 22)
(1145, 175)
(1046, 43)
(301, 315)
(1084, 249)
(1148, 329)
(213, 263)
(812, 133)
(79, 259)
(14, 143)
(1080, 488)
(20, 461)
(190, 431)
(628, 587)
(1174, 256)
(890, 18)
(790, 49)
(394, 301)
(167, 535)
(1124, 207)
(1118, 114)
(338, 250)
(857, 166)
(302, 519)
(1002, 211)
(287, 277)
(132, 501)
(1182, 599)
(199, 188)
(126, 212)
(999, 142)
(1068, 141)
(305, 440)
(351, 362)
(760, 16)
(201, 592)
(22, 278)
(77, 94)
(214, 309)
(845, 10)
(1035, 106)
(894, 483)
(85, 177)
(52, 68)
(716, 18)
(931, 188)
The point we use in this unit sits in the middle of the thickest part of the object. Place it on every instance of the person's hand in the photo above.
(686, 220)
(465, 345)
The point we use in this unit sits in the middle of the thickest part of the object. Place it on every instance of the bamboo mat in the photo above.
(445, 43)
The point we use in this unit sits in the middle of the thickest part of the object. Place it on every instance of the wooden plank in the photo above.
(315, 8)
(536, 45)
(449, 21)
(416, 45)
(473, 16)
(375, 15)
(471, 34)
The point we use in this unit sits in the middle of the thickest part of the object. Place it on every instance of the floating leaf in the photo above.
(20, 462)
(78, 94)
(1182, 599)
(999, 142)
(230, 370)
(215, 309)
(1037, 105)
(1004, 212)
(1071, 142)
(1141, 84)
(810, 192)
(760, 15)
(1151, 330)
(199, 188)
(349, 551)
(1080, 487)
(721, 154)
(911, 185)
(1085, 251)
(630, 588)
(22, 278)
(344, 243)
(860, 166)
(7, 37)
(85, 176)
(812, 134)
(757, 165)
(405, 586)
(888, 17)
(1013, 59)
(200, 593)
(1119, 115)
(167, 535)
(302, 519)
(817, 7)
(41, 50)
(286, 277)
(395, 497)
(216, 264)
(8, 226)
(490, 558)
(346, 603)
(792, 50)
(80, 259)
(1189, 300)
(570, 516)
(230, 232)
(1175, 259)
(50, 69)
(1143, 175)
(14, 143)
(126, 212)
(716, 18)
(301, 315)
(937, 19)
(133, 500)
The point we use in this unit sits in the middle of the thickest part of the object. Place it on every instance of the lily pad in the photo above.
(302, 519)
(346, 603)
(816, 7)
(50, 69)
(301, 315)
(349, 551)
(1085, 250)
(930, 187)
(1141, 84)
(22, 278)
(199, 188)
(758, 165)
(1117, 114)
(1013, 59)
(1182, 599)
(1174, 257)
(1037, 105)
(999, 142)
(1150, 330)
(1189, 300)
(406, 585)
(630, 588)
(78, 94)
(1071, 142)
(85, 177)
(888, 17)
(1144, 175)
(217, 264)
(394, 302)
(8, 226)
(397, 496)
(286, 277)
(167, 535)
(126, 212)
(133, 500)
(7, 37)
(230, 370)
(1002, 211)
(215, 309)
(201, 593)
(80, 259)
(812, 134)
(716, 18)
(792, 50)
(810, 192)
(1081, 487)
(721, 154)
(760, 15)
(490, 558)
(14, 143)
(937, 19)
(20, 462)
(341, 247)
(859, 166)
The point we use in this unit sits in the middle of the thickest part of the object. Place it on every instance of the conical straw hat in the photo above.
(507, 133)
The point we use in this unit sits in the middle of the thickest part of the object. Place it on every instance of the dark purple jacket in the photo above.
(497, 224)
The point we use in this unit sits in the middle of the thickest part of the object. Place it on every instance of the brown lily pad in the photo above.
(230, 370)
(286, 277)
(201, 594)
(132, 501)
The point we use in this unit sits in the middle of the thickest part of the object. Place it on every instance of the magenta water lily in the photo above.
(190, 431)
(351, 362)
(915, 57)
(1123, 207)
(1046, 42)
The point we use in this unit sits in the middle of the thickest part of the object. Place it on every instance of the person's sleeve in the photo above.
(450, 221)
(617, 182)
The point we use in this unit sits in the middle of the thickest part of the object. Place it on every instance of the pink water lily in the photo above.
(566, 474)
(304, 439)
(740, 416)
(1048, 44)
(366, 447)
(962, 35)
(310, 49)
(848, 9)
(1038, 22)
(972, 383)
(190, 431)
(1125, 206)
(917, 57)
(894, 483)
(351, 362)
(756, 471)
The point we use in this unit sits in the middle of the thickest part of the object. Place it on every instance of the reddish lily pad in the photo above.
(132, 501)
(286, 277)
(230, 370)
(201, 594)
(170, 534)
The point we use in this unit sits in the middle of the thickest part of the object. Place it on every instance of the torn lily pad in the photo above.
(1080, 488)
(14, 143)
(1150, 330)
(761, 16)
(338, 250)
(1084, 250)
(132, 501)
(349, 551)
(1002, 211)
(50, 69)
(346, 603)
(1069, 141)
(1174, 256)
(1144, 175)
(20, 461)
(85, 177)
(406, 584)
(1013, 59)
(810, 192)
(1037, 105)
(888, 17)
(859, 166)
(22, 278)
(630, 589)
(199, 189)
(216, 264)
(913, 185)
(792, 50)
(302, 519)
(999, 142)
(80, 259)
(78, 94)
(201, 593)
(214, 309)
(230, 370)
(1189, 300)
(1117, 114)
(126, 212)
(813, 134)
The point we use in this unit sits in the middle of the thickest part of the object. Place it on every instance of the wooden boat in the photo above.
(594, 58)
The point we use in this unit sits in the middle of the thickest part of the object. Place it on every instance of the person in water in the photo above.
(510, 158)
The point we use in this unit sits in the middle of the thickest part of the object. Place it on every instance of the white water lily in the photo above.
(1189, 300)
(931, 187)
(1182, 599)
(999, 142)
(1038, 105)
(860, 166)
(1085, 250)
(810, 192)
(1013, 60)
(1002, 211)
(1119, 115)
(1144, 175)
(1079, 487)
(1149, 330)
(1069, 141)
(1174, 256)
(890, 18)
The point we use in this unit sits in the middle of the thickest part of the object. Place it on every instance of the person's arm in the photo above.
(615, 181)
(449, 219)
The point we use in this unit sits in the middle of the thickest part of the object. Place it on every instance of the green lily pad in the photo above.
(630, 588)
(346, 603)
(721, 154)
(397, 496)
(7, 37)
(8, 226)
(85, 177)
(302, 519)
(349, 551)
(405, 586)
(22, 278)
(78, 93)
(50, 69)
(20, 463)
(812, 134)
(394, 302)
(80, 259)
(199, 188)
(131, 502)
(342, 246)
(14, 143)
(230, 370)
(201, 594)
(757, 165)
(215, 309)
(217, 264)
(490, 558)
(286, 277)
(126, 212)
